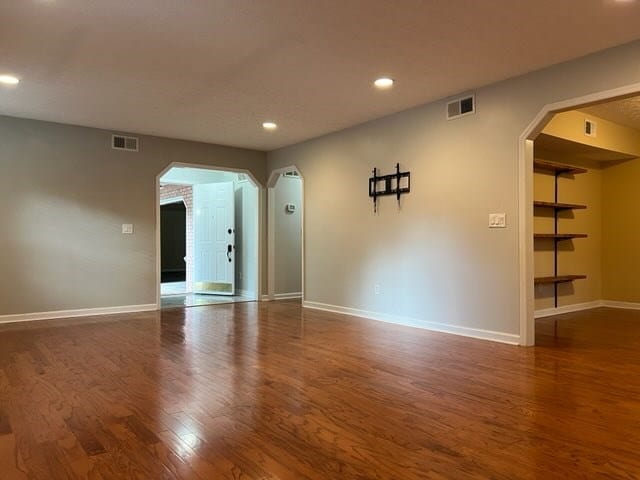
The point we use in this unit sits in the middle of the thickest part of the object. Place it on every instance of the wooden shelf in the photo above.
(560, 236)
(557, 167)
(557, 170)
(558, 279)
(559, 206)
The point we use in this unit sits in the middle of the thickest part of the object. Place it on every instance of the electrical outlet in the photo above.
(497, 220)
(376, 289)
(127, 228)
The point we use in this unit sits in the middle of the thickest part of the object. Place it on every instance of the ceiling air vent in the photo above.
(461, 107)
(590, 128)
(122, 142)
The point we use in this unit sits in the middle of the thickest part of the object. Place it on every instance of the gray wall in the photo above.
(287, 236)
(64, 194)
(434, 258)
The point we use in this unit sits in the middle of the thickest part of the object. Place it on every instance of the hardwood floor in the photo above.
(260, 391)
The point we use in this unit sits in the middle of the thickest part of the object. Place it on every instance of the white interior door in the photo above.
(214, 239)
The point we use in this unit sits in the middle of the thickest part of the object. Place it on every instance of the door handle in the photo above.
(229, 250)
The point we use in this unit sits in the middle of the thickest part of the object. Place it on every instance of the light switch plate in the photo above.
(497, 220)
(127, 228)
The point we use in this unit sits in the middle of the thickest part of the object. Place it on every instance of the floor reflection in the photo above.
(195, 300)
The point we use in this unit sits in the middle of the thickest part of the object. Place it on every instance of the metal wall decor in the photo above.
(393, 184)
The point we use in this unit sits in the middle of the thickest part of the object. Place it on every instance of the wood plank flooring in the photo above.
(274, 391)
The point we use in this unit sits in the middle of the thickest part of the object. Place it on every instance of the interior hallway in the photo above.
(272, 390)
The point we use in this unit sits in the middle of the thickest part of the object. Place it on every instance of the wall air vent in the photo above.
(590, 128)
(461, 107)
(123, 142)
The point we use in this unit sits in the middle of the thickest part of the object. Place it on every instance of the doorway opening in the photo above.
(173, 246)
(286, 234)
(208, 237)
(579, 164)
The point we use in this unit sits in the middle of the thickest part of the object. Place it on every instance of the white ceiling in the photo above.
(623, 112)
(196, 176)
(214, 70)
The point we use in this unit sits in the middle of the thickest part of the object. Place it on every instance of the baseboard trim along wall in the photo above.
(381, 317)
(287, 296)
(623, 305)
(501, 337)
(280, 296)
(578, 307)
(84, 312)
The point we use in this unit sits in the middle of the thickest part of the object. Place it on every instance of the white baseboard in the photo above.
(84, 312)
(280, 296)
(501, 337)
(624, 305)
(246, 293)
(287, 296)
(578, 307)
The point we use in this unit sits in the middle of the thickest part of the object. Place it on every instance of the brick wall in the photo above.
(186, 192)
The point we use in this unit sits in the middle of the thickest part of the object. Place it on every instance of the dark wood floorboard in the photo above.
(274, 391)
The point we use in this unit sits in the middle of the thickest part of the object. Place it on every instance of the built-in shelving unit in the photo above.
(557, 169)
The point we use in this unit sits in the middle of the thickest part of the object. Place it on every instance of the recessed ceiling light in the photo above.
(9, 80)
(384, 83)
(269, 126)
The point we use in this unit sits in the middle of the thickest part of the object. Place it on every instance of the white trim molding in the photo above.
(84, 312)
(623, 305)
(578, 307)
(280, 296)
(509, 338)
(287, 296)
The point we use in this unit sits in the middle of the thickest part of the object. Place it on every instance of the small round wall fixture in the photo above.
(384, 83)
(9, 80)
(269, 126)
